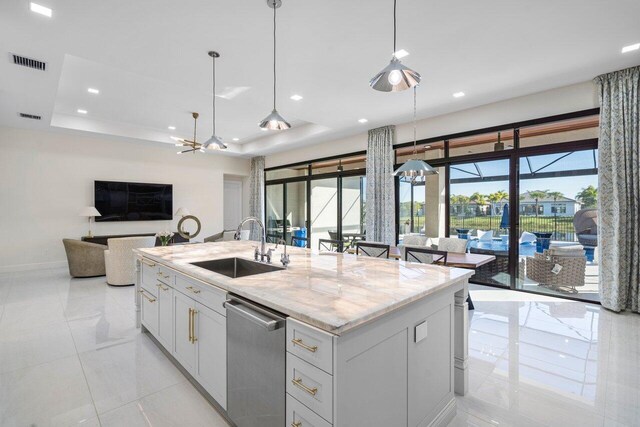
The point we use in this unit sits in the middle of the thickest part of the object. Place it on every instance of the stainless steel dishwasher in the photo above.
(256, 357)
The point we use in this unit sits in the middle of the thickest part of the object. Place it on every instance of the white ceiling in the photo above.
(149, 60)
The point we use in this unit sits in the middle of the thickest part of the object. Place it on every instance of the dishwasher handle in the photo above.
(254, 314)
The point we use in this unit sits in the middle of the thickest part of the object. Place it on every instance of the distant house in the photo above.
(563, 206)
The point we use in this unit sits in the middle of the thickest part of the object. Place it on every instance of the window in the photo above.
(483, 143)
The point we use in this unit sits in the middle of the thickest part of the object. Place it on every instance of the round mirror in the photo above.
(184, 231)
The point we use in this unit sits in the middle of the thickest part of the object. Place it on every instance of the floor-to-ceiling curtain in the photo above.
(380, 211)
(256, 195)
(619, 189)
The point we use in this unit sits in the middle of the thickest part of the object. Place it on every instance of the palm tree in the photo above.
(537, 195)
(588, 197)
(479, 200)
(497, 197)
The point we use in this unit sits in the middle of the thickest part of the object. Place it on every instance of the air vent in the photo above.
(30, 116)
(28, 62)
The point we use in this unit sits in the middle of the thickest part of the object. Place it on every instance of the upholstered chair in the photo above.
(85, 259)
(448, 244)
(415, 241)
(120, 261)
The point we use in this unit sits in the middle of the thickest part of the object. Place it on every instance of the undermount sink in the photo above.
(236, 267)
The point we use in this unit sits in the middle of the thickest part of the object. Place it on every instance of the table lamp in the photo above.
(182, 212)
(89, 212)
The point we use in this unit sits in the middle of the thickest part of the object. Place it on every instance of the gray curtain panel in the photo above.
(256, 195)
(619, 189)
(380, 211)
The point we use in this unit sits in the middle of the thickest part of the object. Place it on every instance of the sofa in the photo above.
(85, 259)
(119, 259)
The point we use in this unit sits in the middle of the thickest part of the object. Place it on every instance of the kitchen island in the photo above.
(369, 342)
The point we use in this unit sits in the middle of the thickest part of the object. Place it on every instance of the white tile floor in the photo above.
(70, 355)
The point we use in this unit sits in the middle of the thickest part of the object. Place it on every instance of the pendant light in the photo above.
(395, 76)
(274, 121)
(193, 145)
(414, 169)
(214, 143)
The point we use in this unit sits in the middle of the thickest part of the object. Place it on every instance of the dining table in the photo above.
(454, 259)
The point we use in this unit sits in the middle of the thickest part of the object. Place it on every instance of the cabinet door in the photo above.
(184, 349)
(211, 353)
(149, 272)
(149, 311)
(165, 316)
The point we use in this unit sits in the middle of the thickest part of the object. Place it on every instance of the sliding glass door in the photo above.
(479, 212)
(558, 215)
(324, 210)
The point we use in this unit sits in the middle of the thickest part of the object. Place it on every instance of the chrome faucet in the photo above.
(263, 253)
(284, 258)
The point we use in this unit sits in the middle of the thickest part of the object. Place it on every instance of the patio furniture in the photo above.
(585, 221)
(571, 275)
(299, 241)
(463, 233)
(333, 235)
(119, 259)
(448, 244)
(85, 259)
(376, 250)
(425, 255)
(485, 236)
(527, 237)
(495, 272)
(330, 245)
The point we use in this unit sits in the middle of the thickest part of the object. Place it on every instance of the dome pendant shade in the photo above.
(214, 143)
(274, 121)
(395, 77)
(414, 170)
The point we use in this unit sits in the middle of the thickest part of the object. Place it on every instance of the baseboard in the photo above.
(31, 267)
(447, 414)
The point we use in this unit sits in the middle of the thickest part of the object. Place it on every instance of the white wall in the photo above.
(566, 99)
(47, 177)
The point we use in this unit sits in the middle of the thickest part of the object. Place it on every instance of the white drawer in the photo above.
(299, 415)
(310, 344)
(311, 386)
(149, 272)
(165, 275)
(201, 292)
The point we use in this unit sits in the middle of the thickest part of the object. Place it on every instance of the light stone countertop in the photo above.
(334, 292)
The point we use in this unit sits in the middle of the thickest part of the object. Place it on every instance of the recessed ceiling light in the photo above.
(81, 111)
(296, 97)
(458, 94)
(94, 91)
(363, 120)
(401, 53)
(42, 10)
(631, 48)
(171, 128)
(236, 139)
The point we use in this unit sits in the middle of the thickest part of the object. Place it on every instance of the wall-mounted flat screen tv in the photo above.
(133, 201)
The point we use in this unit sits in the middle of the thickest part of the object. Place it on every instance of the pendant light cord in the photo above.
(394, 27)
(214, 95)
(415, 148)
(195, 129)
(274, 55)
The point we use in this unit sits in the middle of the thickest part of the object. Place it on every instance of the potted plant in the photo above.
(165, 237)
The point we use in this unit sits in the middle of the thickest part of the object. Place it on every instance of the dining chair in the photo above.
(375, 250)
(330, 245)
(425, 255)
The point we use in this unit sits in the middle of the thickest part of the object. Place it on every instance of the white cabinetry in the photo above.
(188, 320)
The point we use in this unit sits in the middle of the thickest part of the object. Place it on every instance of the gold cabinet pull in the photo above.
(161, 274)
(164, 288)
(194, 290)
(298, 383)
(149, 263)
(190, 324)
(146, 296)
(298, 342)
(298, 424)
(193, 326)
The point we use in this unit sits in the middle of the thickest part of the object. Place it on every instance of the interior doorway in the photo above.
(233, 197)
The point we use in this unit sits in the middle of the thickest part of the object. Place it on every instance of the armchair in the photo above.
(573, 261)
(119, 260)
(85, 259)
